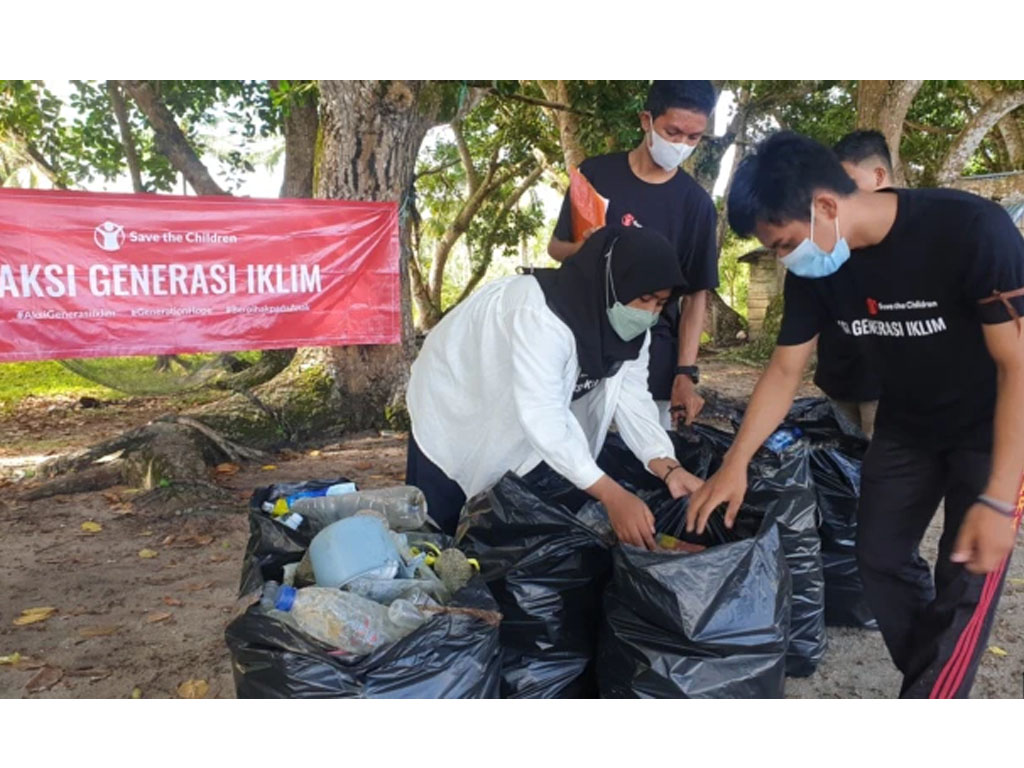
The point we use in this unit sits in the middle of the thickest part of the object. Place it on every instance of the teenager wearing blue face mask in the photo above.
(646, 188)
(532, 370)
(933, 280)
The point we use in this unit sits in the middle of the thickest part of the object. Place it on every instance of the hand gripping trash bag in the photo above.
(698, 448)
(546, 569)
(455, 654)
(711, 624)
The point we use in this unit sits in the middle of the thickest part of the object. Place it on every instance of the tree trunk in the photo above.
(127, 140)
(967, 142)
(170, 140)
(567, 122)
(301, 124)
(371, 134)
(882, 105)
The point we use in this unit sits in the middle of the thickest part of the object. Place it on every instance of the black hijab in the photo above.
(642, 262)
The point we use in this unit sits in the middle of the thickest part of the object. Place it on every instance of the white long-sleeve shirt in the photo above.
(491, 391)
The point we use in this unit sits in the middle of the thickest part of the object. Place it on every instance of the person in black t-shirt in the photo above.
(844, 373)
(646, 188)
(933, 281)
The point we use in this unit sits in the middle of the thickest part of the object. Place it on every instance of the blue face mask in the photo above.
(627, 322)
(808, 260)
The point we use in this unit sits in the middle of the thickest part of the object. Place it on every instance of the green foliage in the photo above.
(760, 349)
(80, 141)
(733, 275)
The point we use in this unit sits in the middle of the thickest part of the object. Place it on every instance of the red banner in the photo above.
(85, 274)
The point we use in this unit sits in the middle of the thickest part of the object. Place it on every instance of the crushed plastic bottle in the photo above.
(404, 507)
(344, 620)
(781, 439)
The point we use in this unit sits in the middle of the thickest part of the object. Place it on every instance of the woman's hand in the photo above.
(631, 519)
(682, 483)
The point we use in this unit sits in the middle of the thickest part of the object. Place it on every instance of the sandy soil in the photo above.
(125, 623)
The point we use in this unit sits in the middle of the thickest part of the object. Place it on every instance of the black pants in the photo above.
(935, 628)
(445, 498)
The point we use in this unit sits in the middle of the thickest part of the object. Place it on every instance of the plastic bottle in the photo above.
(269, 597)
(343, 620)
(405, 506)
(780, 440)
(352, 548)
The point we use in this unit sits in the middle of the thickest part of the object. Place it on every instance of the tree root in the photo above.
(168, 458)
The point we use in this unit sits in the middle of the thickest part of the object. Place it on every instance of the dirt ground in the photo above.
(140, 605)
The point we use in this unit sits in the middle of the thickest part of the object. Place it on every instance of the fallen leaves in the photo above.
(45, 678)
(362, 466)
(136, 693)
(198, 587)
(173, 601)
(995, 650)
(34, 615)
(268, 467)
(153, 618)
(193, 689)
(12, 659)
(1016, 582)
(102, 631)
(146, 554)
(315, 454)
(227, 468)
(91, 527)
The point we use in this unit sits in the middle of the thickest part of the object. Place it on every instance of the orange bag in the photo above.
(588, 207)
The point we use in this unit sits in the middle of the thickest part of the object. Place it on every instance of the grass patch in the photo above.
(46, 379)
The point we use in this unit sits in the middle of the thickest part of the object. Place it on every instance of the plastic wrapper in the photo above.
(708, 624)
(547, 570)
(588, 207)
(454, 654)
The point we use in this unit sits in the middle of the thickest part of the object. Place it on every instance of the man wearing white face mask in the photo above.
(646, 188)
(933, 280)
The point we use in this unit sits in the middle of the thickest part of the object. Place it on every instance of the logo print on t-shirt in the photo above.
(629, 220)
(872, 307)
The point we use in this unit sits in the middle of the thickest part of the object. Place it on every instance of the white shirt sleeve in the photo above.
(541, 350)
(637, 416)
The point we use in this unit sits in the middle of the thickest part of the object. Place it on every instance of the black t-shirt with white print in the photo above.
(678, 209)
(913, 300)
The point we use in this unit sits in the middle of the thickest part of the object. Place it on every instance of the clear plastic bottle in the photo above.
(343, 620)
(405, 506)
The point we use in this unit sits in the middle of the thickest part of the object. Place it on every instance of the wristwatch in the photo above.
(689, 370)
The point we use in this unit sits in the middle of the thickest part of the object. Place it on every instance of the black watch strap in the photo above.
(689, 370)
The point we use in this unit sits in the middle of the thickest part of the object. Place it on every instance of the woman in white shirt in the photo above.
(534, 368)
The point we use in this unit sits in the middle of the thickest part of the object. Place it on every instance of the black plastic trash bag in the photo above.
(455, 654)
(547, 570)
(837, 449)
(780, 485)
(711, 624)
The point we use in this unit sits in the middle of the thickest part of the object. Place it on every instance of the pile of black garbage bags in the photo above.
(729, 613)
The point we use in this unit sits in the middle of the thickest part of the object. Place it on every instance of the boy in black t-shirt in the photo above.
(844, 372)
(932, 281)
(646, 188)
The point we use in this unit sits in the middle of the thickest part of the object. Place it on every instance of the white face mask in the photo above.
(667, 154)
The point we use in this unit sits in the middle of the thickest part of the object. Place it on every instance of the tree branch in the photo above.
(488, 88)
(966, 144)
(170, 140)
(472, 178)
(481, 269)
(51, 173)
(127, 140)
(438, 169)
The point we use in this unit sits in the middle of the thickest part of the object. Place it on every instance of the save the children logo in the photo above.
(109, 236)
(872, 307)
(629, 220)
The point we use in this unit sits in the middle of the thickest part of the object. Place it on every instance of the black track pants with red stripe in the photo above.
(935, 628)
